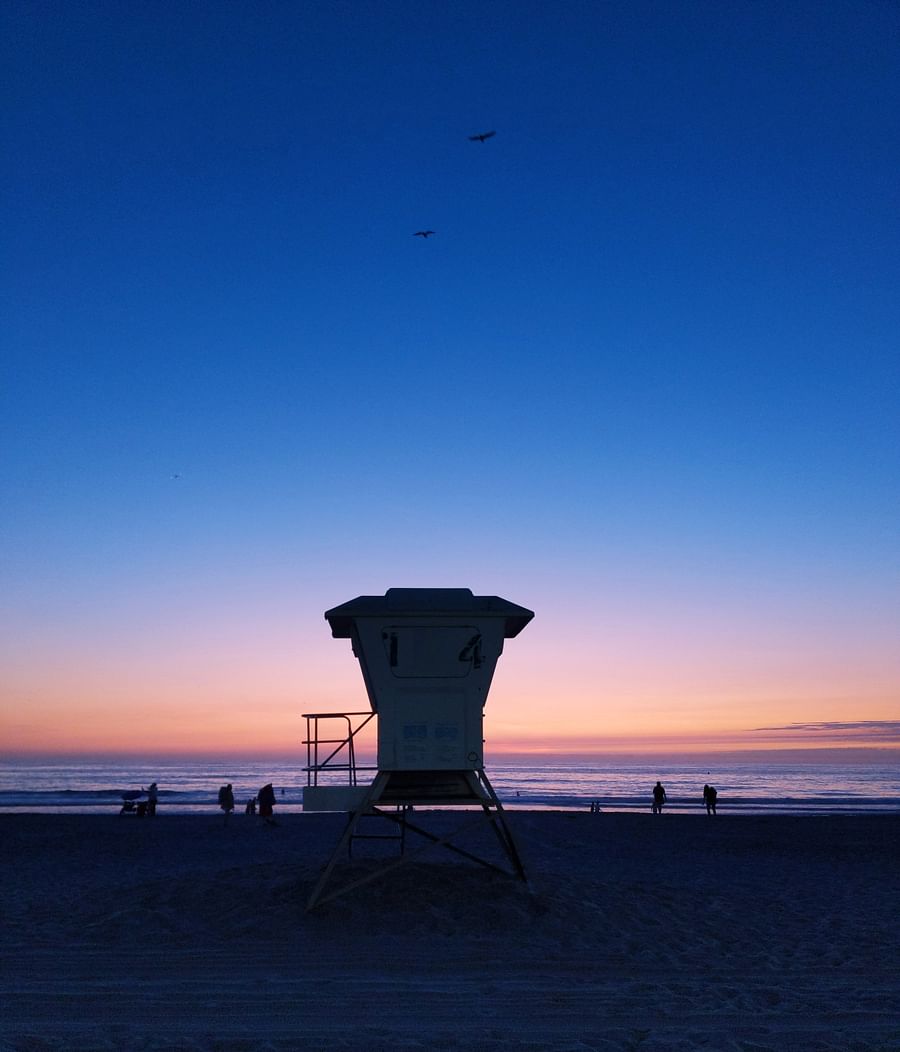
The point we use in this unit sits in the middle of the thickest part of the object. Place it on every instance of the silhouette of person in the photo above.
(151, 799)
(266, 797)
(659, 798)
(250, 809)
(226, 800)
(709, 798)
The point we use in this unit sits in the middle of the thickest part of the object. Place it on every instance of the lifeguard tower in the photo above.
(427, 657)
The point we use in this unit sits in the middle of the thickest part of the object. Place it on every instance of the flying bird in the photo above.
(482, 136)
(423, 233)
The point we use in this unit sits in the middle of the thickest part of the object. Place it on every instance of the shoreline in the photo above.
(190, 788)
(733, 807)
(764, 933)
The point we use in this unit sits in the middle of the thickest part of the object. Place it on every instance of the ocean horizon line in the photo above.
(549, 758)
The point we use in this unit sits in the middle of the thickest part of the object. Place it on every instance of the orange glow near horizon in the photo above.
(216, 722)
(566, 686)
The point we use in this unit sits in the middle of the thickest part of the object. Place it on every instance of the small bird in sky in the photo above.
(423, 233)
(482, 136)
(174, 476)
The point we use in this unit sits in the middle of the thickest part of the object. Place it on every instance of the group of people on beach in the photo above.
(710, 795)
(659, 798)
(264, 799)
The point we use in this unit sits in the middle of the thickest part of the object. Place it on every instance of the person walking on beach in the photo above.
(659, 798)
(151, 799)
(709, 798)
(266, 797)
(226, 800)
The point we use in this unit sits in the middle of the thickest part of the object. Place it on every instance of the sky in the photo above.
(643, 378)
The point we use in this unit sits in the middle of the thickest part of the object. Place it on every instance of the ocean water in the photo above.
(744, 788)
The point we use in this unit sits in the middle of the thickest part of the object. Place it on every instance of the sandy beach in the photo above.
(635, 932)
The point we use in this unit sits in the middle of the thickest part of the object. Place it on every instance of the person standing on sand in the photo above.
(226, 800)
(659, 798)
(151, 799)
(266, 797)
(709, 798)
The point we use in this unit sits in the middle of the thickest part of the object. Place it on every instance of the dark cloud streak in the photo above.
(857, 730)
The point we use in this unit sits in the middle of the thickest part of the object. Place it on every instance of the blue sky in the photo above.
(643, 378)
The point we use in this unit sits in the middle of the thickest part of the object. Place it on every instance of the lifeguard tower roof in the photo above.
(427, 602)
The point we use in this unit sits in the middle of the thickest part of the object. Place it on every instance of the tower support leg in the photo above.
(371, 797)
(482, 792)
(500, 825)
